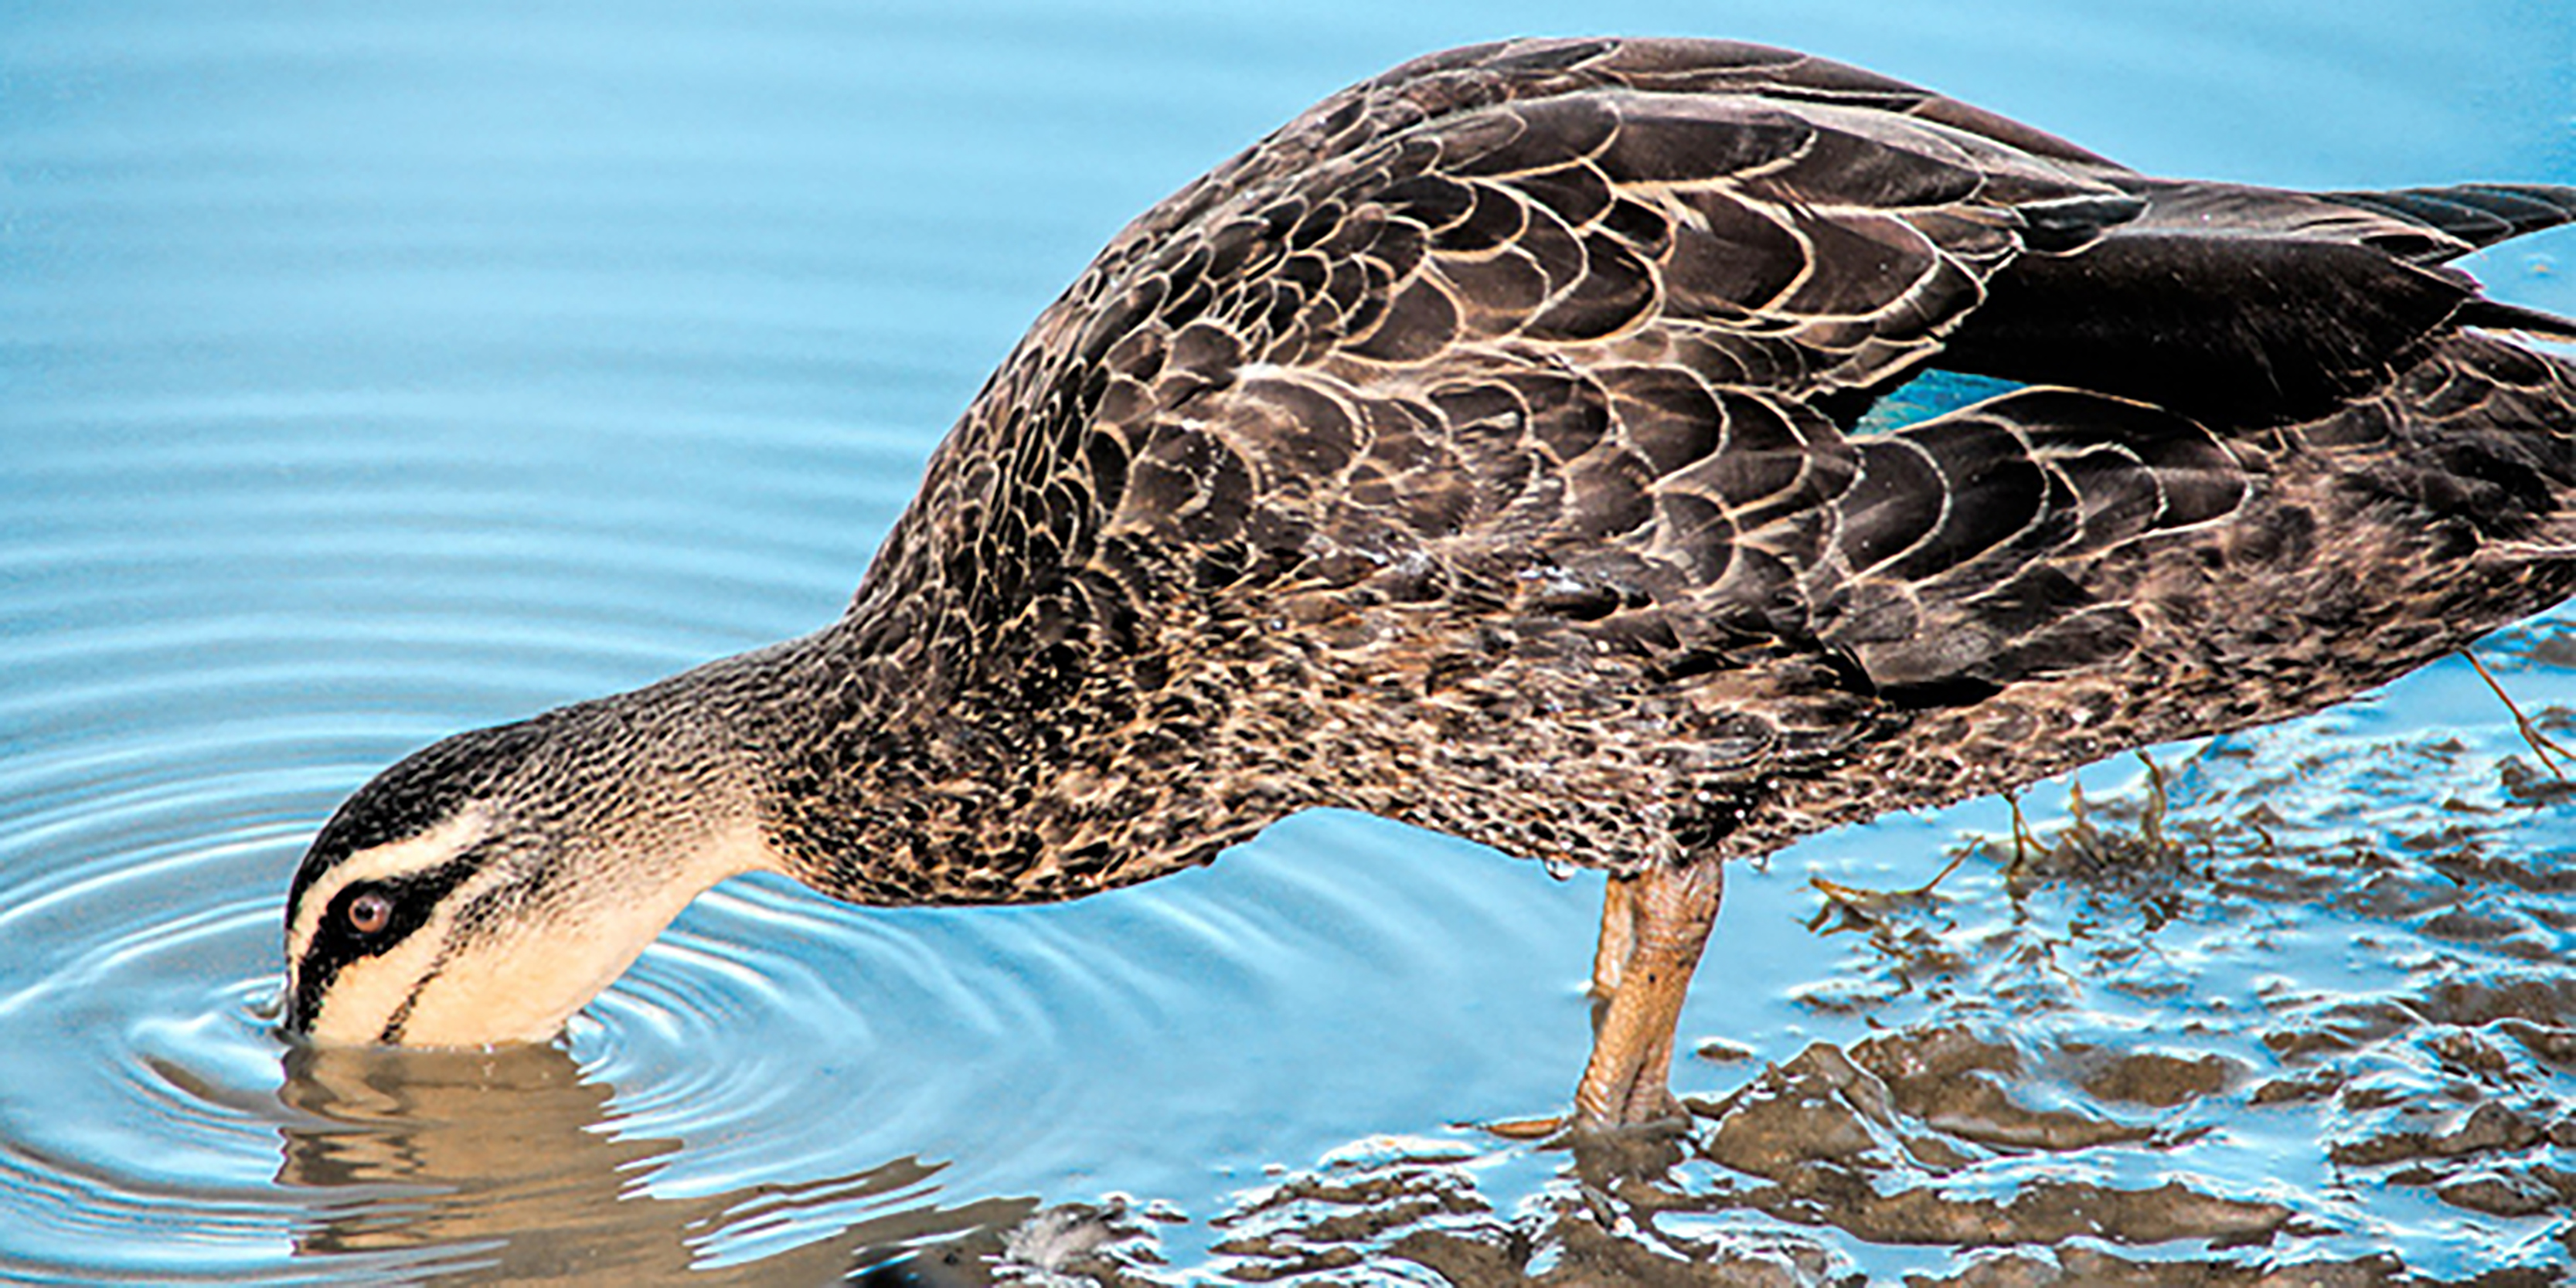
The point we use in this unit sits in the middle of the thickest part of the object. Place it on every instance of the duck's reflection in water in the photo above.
(506, 1165)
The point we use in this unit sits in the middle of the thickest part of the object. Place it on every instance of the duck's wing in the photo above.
(1525, 366)
(1393, 320)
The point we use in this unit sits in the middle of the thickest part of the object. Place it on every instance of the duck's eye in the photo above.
(370, 912)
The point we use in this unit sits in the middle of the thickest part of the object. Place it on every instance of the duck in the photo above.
(1500, 447)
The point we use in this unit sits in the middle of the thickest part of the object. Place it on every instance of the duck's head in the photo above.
(486, 887)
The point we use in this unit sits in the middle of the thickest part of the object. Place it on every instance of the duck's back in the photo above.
(1479, 450)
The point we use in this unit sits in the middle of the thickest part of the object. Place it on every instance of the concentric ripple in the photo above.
(366, 376)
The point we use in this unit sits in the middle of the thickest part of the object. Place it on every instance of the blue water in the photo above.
(369, 373)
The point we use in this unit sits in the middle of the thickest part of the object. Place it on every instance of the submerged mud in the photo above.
(2294, 1007)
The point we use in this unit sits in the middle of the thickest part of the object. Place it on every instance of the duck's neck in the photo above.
(894, 775)
(872, 784)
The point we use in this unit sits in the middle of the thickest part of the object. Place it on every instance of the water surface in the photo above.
(370, 374)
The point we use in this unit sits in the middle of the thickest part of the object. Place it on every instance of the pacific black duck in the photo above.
(1481, 450)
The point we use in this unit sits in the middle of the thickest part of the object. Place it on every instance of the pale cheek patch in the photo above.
(366, 995)
(522, 989)
(521, 983)
(368, 990)
(513, 970)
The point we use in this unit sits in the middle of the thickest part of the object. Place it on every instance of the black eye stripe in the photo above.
(408, 905)
(336, 943)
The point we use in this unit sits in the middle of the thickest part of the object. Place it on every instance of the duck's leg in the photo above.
(1653, 926)
(1618, 940)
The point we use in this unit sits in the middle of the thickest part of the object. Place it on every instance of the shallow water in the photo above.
(368, 376)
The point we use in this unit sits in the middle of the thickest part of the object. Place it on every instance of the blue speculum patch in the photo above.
(1933, 393)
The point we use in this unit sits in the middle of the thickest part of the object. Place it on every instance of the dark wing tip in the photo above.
(2476, 215)
(2496, 315)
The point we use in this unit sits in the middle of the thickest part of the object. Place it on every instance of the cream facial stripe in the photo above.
(411, 856)
(407, 867)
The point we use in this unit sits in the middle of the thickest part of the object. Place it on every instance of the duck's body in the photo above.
(1477, 451)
